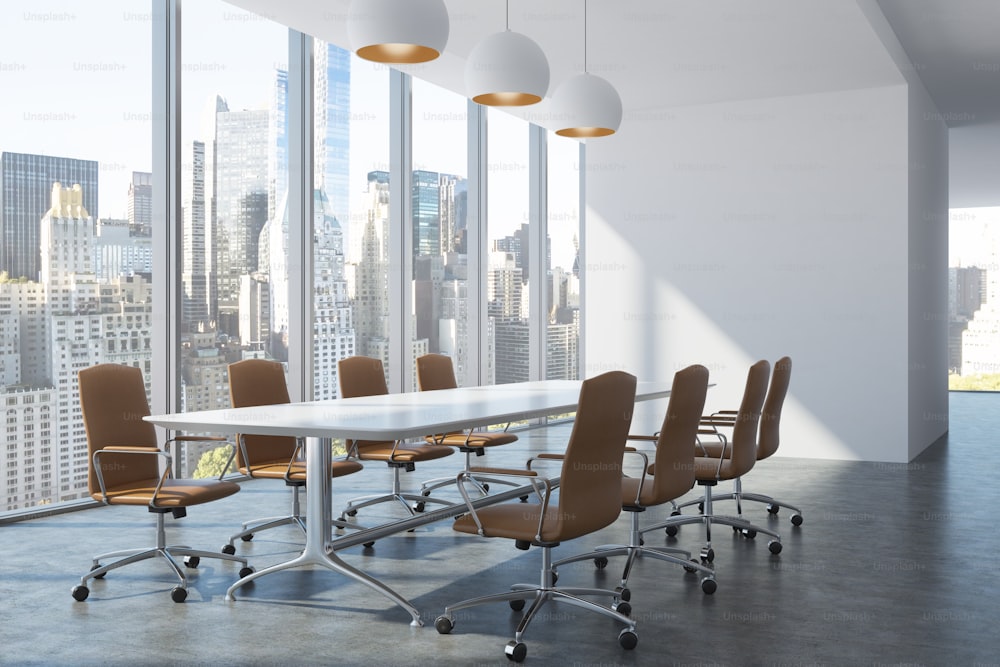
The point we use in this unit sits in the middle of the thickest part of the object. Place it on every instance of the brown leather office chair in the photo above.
(261, 382)
(125, 470)
(364, 376)
(768, 438)
(737, 457)
(434, 372)
(674, 465)
(589, 499)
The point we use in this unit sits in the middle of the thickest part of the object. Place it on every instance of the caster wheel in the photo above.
(425, 493)
(555, 577)
(671, 531)
(623, 608)
(628, 639)
(600, 562)
(418, 507)
(228, 549)
(796, 519)
(516, 605)
(749, 533)
(642, 542)
(774, 547)
(443, 625)
(701, 508)
(95, 567)
(246, 538)
(708, 586)
(688, 568)
(246, 571)
(351, 512)
(524, 499)
(708, 554)
(516, 651)
(178, 594)
(675, 513)
(773, 509)
(623, 593)
(191, 561)
(486, 488)
(368, 545)
(80, 593)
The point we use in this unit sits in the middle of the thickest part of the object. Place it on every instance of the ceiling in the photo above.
(668, 53)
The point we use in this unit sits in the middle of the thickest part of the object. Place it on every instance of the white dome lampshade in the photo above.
(507, 69)
(586, 105)
(398, 31)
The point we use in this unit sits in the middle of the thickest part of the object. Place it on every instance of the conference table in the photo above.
(390, 417)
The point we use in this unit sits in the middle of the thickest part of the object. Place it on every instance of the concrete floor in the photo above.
(895, 564)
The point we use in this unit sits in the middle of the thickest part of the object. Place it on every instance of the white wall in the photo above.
(726, 233)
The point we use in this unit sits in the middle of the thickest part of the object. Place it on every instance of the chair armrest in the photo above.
(195, 438)
(210, 438)
(644, 438)
(542, 487)
(512, 472)
(130, 449)
(544, 457)
(645, 470)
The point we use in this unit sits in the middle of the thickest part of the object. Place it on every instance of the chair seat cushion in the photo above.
(517, 521)
(706, 468)
(651, 495)
(383, 451)
(277, 469)
(173, 493)
(475, 439)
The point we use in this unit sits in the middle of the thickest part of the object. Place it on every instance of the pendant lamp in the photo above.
(398, 31)
(586, 105)
(507, 69)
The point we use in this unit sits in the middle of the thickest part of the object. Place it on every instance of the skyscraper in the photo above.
(241, 186)
(25, 189)
(333, 128)
(196, 278)
(140, 203)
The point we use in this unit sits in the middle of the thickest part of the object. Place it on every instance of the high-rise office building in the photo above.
(332, 99)
(140, 203)
(425, 199)
(197, 280)
(241, 186)
(25, 188)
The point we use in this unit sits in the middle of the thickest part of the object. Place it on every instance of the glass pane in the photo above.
(562, 357)
(75, 246)
(351, 253)
(507, 235)
(234, 181)
(439, 203)
(974, 299)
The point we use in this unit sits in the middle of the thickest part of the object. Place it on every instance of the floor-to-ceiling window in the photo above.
(509, 257)
(562, 289)
(439, 206)
(234, 187)
(351, 252)
(75, 244)
(974, 299)
(78, 288)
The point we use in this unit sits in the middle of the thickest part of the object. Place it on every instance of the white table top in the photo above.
(398, 416)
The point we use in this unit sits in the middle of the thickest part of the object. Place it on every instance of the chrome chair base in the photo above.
(636, 549)
(540, 595)
(170, 554)
(773, 505)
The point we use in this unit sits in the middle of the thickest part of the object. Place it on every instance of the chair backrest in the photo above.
(435, 371)
(113, 401)
(744, 436)
(590, 490)
(675, 446)
(770, 416)
(254, 382)
(361, 376)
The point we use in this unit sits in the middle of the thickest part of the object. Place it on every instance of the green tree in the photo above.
(212, 462)
(979, 382)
